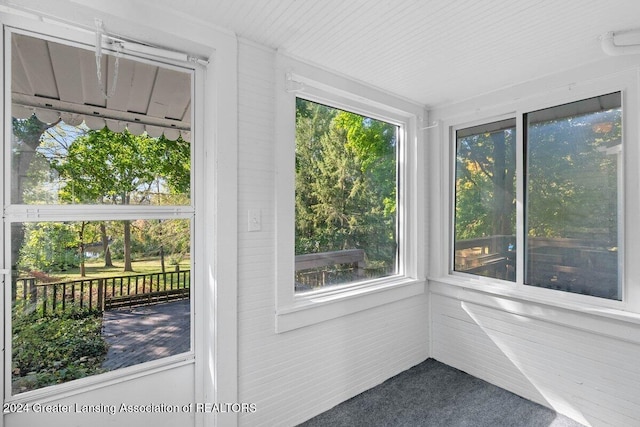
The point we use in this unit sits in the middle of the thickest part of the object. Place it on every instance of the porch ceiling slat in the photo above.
(19, 83)
(180, 97)
(142, 85)
(90, 89)
(65, 62)
(171, 94)
(34, 56)
(124, 86)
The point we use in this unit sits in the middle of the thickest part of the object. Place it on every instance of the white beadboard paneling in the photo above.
(433, 52)
(591, 377)
(324, 367)
(295, 375)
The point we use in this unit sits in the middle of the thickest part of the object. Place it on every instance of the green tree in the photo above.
(572, 173)
(345, 183)
(571, 178)
(485, 184)
(49, 247)
(27, 134)
(88, 232)
(122, 168)
(167, 238)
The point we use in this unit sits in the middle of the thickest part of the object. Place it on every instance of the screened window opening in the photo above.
(485, 189)
(573, 204)
(101, 273)
(346, 190)
(71, 145)
(76, 312)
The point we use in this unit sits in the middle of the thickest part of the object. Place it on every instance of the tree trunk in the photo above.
(127, 245)
(20, 165)
(503, 188)
(161, 245)
(503, 174)
(105, 245)
(501, 218)
(127, 237)
(83, 272)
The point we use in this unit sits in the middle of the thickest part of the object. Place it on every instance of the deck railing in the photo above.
(487, 256)
(577, 265)
(99, 294)
(320, 269)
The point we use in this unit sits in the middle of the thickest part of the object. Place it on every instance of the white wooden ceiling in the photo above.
(431, 51)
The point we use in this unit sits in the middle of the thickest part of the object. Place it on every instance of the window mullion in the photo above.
(27, 213)
(520, 224)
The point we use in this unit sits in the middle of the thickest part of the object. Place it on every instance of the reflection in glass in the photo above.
(93, 296)
(573, 154)
(485, 211)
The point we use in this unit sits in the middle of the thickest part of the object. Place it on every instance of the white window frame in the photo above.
(629, 232)
(295, 310)
(51, 213)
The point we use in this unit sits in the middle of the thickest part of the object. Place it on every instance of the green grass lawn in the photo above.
(96, 269)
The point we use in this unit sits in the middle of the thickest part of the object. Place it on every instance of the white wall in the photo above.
(580, 359)
(593, 377)
(295, 375)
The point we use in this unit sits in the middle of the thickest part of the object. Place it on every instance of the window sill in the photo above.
(84, 385)
(312, 308)
(591, 317)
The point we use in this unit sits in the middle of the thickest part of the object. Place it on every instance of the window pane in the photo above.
(485, 200)
(572, 197)
(346, 187)
(93, 296)
(73, 144)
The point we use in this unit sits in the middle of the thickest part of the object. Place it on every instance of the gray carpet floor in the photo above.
(434, 394)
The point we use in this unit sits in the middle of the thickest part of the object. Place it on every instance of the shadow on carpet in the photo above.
(434, 394)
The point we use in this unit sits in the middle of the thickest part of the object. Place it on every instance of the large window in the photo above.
(346, 187)
(571, 194)
(98, 213)
(348, 176)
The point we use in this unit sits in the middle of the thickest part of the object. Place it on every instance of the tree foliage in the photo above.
(49, 247)
(76, 166)
(345, 183)
(122, 168)
(55, 349)
(572, 176)
(485, 184)
(571, 179)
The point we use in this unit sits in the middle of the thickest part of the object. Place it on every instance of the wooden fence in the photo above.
(100, 293)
